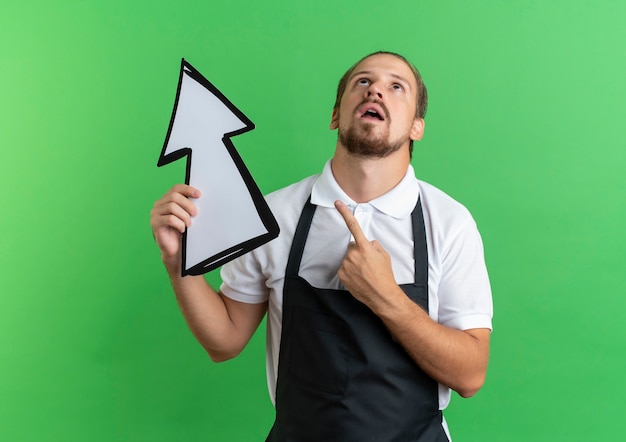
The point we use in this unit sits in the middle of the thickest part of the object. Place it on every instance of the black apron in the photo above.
(341, 375)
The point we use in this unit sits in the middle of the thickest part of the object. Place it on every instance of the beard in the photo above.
(362, 142)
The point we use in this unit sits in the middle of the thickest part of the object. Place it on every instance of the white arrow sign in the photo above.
(233, 217)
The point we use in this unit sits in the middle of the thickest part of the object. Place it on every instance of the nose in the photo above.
(375, 91)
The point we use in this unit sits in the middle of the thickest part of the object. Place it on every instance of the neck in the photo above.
(364, 179)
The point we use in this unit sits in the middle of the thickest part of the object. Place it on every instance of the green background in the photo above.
(525, 127)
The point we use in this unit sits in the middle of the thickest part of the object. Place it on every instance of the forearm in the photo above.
(207, 315)
(455, 358)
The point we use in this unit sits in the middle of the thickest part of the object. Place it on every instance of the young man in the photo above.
(376, 290)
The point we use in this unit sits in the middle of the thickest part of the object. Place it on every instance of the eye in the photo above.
(397, 87)
(362, 82)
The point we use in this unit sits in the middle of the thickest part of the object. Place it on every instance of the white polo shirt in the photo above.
(459, 294)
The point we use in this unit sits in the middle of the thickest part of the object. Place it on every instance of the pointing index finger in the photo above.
(352, 223)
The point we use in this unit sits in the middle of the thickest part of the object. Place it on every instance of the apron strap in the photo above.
(299, 238)
(420, 249)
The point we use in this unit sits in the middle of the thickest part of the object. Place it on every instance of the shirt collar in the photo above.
(399, 202)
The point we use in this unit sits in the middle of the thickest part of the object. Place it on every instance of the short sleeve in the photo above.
(465, 300)
(243, 281)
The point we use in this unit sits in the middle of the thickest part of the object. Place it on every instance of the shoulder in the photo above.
(287, 202)
(438, 204)
(286, 205)
(446, 219)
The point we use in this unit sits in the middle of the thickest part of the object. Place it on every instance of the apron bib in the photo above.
(341, 375)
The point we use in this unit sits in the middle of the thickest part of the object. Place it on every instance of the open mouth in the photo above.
(372, 111)
(372, 114)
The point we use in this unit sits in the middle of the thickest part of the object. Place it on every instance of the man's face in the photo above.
(376, 115)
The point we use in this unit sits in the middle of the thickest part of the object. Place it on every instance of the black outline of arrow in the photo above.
(262, 208)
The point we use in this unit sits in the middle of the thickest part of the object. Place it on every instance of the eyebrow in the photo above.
(391, 74)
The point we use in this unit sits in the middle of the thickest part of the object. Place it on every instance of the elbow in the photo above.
(221, 356)
(471, 386)
(467, 392)
(219, 352)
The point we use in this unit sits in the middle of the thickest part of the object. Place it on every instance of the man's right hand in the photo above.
(223, 326)
(170, 216)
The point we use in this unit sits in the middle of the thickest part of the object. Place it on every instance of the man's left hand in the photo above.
(366, 270)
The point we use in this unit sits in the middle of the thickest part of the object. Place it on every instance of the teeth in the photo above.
(372, 113)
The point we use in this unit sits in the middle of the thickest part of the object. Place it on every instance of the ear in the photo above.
(334, 119)
(417, 130)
